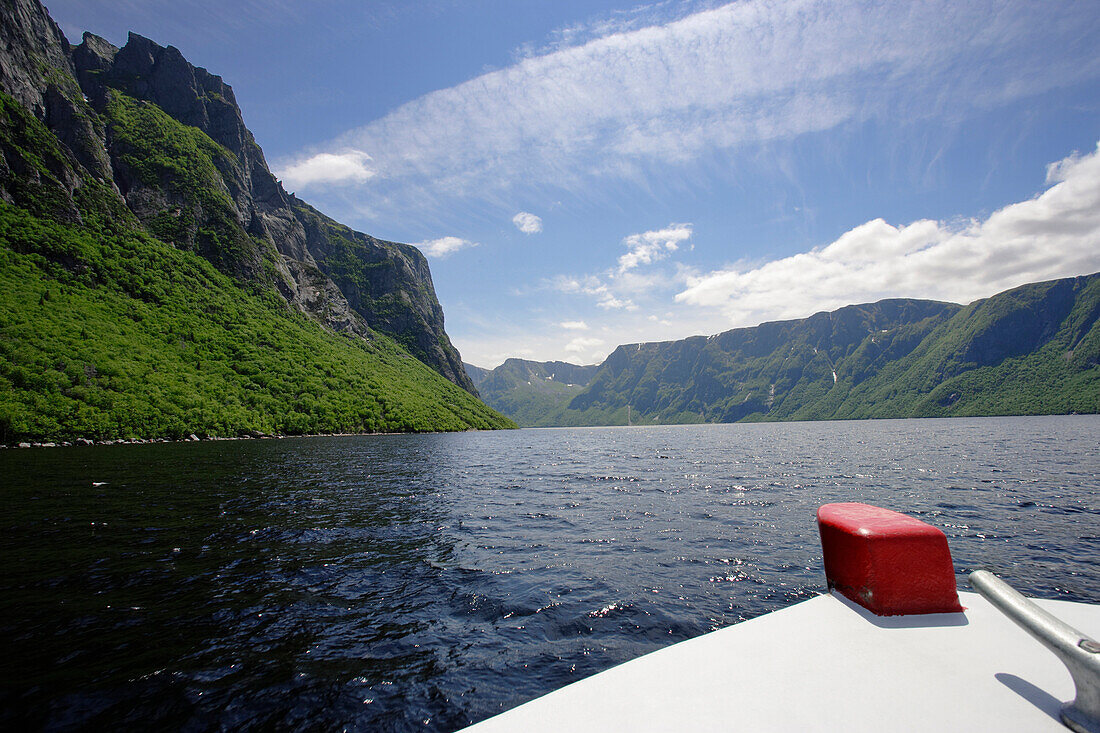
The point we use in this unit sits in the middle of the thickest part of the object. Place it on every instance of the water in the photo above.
(427, 582)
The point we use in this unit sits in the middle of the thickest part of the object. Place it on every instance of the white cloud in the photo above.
(1055, 234)
(610, 302)
(444, 246)
(619, 288)
(574, 325)
(587, 284)
(649, 247)
(584, 346)
(742, 74)
(1057, 171)
(527, 223)
(349, 166)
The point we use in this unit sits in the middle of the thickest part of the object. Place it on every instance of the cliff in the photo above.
(158, 281)
(169, 139)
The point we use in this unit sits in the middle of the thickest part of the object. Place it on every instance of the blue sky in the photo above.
(583, 174)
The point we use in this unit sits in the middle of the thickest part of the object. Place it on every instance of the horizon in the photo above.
(587, 175)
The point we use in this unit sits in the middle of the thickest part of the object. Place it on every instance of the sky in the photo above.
(588, 173)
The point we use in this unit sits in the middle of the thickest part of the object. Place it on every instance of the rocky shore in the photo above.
(193, 438)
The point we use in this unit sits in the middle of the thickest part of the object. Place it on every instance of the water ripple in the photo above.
(425, 582)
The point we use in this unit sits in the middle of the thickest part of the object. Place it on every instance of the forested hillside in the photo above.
(1031, 350)
(156, 280)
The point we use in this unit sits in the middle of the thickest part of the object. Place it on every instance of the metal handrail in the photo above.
(1079, 652)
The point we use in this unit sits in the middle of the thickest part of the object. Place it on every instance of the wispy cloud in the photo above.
(349, 166)
(617, 288)
(583, 346)
(720, 79)
(649, 247)
(617, 21)
(574, 325)
(527, 223)
(1054, 234)
(444, 246)
(591, 285)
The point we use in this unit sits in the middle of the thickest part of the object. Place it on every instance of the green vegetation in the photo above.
(108, 332)
(137, 339)
(532, 405)
(191, 171)
(1031, 350)
(534, 394)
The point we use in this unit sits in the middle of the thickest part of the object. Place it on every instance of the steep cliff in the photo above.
(169, 139)
(772, 369)
(156, 280)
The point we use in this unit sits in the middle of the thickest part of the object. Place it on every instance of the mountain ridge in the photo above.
(530, 392)
(1029, 350)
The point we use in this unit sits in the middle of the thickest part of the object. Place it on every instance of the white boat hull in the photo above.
(827, 664)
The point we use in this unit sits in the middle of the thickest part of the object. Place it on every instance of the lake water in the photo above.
(427, 582)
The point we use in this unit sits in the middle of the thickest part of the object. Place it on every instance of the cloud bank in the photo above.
(1055, 234)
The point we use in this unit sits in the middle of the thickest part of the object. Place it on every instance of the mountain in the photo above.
(773, 370)
(159, 280)
(1030, 350)
(532, 393)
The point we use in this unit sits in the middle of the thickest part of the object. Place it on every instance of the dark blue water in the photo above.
(427, 582)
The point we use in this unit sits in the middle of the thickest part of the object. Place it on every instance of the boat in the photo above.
(892, 645)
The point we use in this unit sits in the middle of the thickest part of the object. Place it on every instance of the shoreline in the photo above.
(256, 435)
(195, 438)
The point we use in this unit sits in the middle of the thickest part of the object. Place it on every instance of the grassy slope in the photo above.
(1031, 351)
(106, 331)
(536, 405)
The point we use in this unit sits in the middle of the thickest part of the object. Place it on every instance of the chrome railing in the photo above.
(1079, 652)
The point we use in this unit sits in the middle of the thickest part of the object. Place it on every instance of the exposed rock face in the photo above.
(387, 283)
(237, 214)
(35, 69)
(32, 46)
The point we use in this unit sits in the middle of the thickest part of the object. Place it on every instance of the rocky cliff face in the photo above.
(168, 140)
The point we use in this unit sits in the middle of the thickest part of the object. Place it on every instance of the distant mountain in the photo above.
(158, 280)
(1030, 350)
(532, 393)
